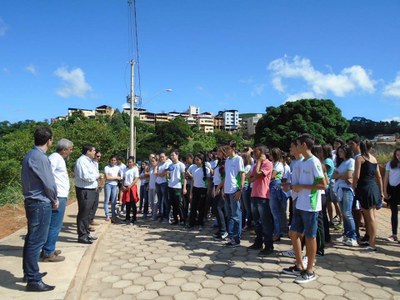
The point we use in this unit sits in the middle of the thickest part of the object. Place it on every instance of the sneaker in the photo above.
(255, 247)
(201, 227)
(224, 236)
(392, 238)
(338, 226)
(369, 249)
(351, 242)
(174, 223)
(341, 239)
(53, 258)
(266, 252)
(305, 277)
(288, 253)
(232, 244)
(294, 271)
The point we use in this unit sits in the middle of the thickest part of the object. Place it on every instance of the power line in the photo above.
(134, 44)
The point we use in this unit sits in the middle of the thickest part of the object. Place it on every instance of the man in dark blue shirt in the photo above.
(40, 193)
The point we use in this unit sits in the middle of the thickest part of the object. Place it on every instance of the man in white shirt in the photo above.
(86, 175)
(59, 168)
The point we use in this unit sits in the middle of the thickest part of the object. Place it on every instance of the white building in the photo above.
(251, 124)
(231, 119)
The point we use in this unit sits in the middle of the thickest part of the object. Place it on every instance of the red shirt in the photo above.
(261, 184)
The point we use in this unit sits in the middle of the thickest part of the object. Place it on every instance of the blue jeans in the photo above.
(346, 206)
(110, 194)
(163, 200)
(235, 218)
(144, 199)
(38, 215)
(247, 205)
(263, 223)
(278, 204)
(57, 217)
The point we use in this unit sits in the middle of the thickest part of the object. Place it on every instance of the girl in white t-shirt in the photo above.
(198, 193)
(113, 174)
(391, 191)
(130, 196)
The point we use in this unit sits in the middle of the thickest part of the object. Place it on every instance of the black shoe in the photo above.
(174, 223)
(25, 279)
(39, 286)
(255, 247)
(265, 252)
(92, 238)
(85, 241)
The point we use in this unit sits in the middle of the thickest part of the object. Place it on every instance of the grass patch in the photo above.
(11, 194)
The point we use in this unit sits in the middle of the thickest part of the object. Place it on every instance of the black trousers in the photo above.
(86, 200)
(175, 196)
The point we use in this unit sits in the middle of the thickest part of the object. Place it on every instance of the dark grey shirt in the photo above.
(38, 181)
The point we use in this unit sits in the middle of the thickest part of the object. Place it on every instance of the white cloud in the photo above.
(3, 27)
(305, 95)
(393, 89)
(397, 119)
(74, 83)
(31, 69)
(348, 80)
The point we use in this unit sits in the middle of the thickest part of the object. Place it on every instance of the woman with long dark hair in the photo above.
(198, 194)
(367, 182)
(391, 191)
(344, 190)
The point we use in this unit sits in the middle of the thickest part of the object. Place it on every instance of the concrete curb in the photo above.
(76, 286)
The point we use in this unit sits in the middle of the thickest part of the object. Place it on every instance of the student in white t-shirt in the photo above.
(129, 190)
(176, 186)
(152, 186)
(162, 185)
(308, 187)
(112, 173)
(233, 186)
(200, 175)
(391, 191)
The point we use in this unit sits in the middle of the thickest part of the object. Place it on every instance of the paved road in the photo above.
(159, 261)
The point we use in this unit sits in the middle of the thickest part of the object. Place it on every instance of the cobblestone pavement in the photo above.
(160, 261)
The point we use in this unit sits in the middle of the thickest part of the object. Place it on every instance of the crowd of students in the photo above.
(274, 193)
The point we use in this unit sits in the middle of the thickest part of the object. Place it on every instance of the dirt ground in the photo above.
(12, 218)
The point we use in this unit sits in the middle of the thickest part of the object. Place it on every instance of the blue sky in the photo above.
(215, 54)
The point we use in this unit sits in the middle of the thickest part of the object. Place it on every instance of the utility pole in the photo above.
(132, 147)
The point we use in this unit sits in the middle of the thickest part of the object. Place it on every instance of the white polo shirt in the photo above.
(59, 168)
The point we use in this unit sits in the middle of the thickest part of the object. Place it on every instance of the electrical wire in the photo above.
(133, 47)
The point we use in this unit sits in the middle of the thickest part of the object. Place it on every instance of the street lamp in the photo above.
(133, 100)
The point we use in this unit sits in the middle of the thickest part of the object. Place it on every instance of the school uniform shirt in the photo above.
(130, 175)
(294, 175)
(161, 168)
(278, 167)
(394, 175)
(152, 179)
(217, 176)
(233, 167)
(113, 171)
(310, 172)
(198, 176)
(60, 173)
(176, 175)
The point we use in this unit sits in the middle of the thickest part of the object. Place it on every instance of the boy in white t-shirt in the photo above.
(176, 186)
(308, 186)
(233, 186)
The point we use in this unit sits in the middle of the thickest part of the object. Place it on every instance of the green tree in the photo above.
(173, 134)
(280, 125)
